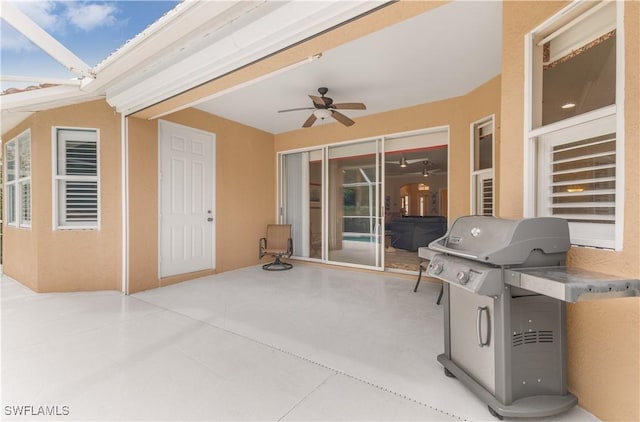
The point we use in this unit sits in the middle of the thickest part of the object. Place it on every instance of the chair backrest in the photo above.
(278, 236)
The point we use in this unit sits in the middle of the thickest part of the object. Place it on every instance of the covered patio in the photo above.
(313, 343)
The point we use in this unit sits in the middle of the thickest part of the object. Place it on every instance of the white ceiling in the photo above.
(440, 54)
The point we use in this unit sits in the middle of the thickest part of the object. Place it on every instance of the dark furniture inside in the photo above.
(411, 232)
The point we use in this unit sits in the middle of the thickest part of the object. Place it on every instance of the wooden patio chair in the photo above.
(278, 244)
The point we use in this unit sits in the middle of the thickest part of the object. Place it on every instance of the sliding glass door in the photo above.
(301, 203)
(332, 198)
(333, 195)
(354, 216)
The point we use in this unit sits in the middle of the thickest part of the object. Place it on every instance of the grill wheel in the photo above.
(494, 413)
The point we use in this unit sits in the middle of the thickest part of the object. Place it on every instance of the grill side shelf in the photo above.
(572, 284)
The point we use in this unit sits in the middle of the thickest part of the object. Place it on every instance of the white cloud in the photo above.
(12, 40)
(89, 16)
(43, 13)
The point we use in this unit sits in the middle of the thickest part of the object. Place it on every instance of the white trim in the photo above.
(44, 98)
(574, 121)
(42, 80)
(528, 181)
(480, 123)
(55, 177)
(12, 183)
(620, 126)
(324, 256)
(531, 134)
(18, 181)
(124, 216)
(381, 192)
(571, 23)
(280, 188)
(201, 53)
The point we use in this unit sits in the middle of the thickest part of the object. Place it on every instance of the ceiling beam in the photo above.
(40, 80)
(23, 24)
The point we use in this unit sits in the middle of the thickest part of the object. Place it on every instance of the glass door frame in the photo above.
(378, 233)
(379, 206)
(381, 211)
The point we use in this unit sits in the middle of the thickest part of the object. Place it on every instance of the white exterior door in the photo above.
(186, 181)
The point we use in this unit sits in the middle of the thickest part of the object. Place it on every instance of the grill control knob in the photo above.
(437, 267)
(463, 277)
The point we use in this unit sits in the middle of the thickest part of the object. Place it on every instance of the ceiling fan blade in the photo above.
(296, 109)
(349, 106)
(342, 118)
(311, 120)
(419, 160)
(321, 102)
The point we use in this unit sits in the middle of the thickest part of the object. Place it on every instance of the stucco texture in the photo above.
(603, 337)
(245, 194)
(47, 259)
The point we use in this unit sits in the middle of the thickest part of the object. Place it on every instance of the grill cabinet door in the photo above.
(472, 323)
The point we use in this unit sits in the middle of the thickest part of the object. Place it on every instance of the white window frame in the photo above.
(479, 175)
(56, 223)
(17, 183)
(531, 134)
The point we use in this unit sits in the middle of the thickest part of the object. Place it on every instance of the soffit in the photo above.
(238, 36)
(435, 54)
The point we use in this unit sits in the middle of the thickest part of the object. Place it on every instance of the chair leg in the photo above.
(440, 295)
(415, 289)
(277, 265)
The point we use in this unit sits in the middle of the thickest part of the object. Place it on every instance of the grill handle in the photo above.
(436, 246)
(481, 310)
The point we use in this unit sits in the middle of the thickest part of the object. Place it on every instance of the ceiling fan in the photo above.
(403, 162)
(324, 107)
(428, 167)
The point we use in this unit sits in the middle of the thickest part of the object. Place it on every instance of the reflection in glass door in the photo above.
(354, 225)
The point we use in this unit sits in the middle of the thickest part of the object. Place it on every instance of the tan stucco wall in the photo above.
(143, 204)
(245, 193)
(68, 260)
(603, 345)
(456, 113)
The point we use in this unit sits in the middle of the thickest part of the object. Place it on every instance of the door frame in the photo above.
(280, 196)
(168, 124)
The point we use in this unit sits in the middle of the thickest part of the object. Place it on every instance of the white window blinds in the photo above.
(578, 168)
(486, 194)
(77, 178)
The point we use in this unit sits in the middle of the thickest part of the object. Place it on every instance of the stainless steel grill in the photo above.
(504, 301)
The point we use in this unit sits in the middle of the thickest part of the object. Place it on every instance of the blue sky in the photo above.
(92, 30)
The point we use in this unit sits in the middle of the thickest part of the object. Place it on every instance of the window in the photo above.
(18, 180)
(76, 179)
(482, 201)
(576, 65)
(405, 204)
(581, 186)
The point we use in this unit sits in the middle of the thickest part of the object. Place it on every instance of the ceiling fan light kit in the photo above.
(323, 107)
(322, 113)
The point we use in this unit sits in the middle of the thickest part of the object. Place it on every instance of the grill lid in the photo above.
(499, 241)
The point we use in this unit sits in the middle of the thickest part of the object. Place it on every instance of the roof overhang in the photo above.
(229, 39)
(196, 42)
(20, 105)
